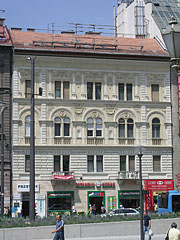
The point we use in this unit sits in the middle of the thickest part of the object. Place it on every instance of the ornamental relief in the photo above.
(125, 76)
(110, 109)
(95, 114)
(79, 109)
(94, 76)
(126, 115)
(155, 77)
(62, 74)
(25, 74)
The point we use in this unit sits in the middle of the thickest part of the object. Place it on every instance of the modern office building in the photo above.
(102, 97)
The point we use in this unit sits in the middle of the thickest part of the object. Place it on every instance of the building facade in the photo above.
(5, 98)
(102, 97)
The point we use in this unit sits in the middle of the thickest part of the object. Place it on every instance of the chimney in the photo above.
(67, 32)
(30, 29)
(2, 20)
(16, 29)
(92, 33)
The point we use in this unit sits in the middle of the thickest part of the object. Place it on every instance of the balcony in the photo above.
(128, 175)
(62, 140)
(95, 141)
(156, 141)
(27, 140)
(126, 141)
(66, 175)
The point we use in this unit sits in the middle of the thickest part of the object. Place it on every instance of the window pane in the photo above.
(155, 128)
(99, 162)
(27, 163)
(129, 92)
(66, 163)
(57, 89)
(89, 90)
(156, 163)
(121, 91)
(131, 163)
(121, 130)
(90, 127)
(155, 92)
(66, 90)
(130, 128)
(90, 163)
(98, 127)
(66, 129)
(56, 163)
(57, 129)
(27, 126)
(28, 89)
(98, 91)
(122, 163)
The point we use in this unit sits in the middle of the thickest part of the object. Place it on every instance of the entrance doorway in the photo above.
(25, 205)
(97, 198)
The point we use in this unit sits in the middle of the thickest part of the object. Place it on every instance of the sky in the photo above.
(39, 13)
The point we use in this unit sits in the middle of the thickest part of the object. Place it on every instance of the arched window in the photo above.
(66, 127)
(57, 127)
(126, 128)
(94, 127)
(90, 127)
(155, 128)
(27, 126)
(130, 128)
(121, 127)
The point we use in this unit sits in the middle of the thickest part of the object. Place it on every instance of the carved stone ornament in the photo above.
(62, 74)
(125, 76)
(110, 109)
(127, 115)
(155, 77)
(62, 113)
(95, 114)
(79, 109)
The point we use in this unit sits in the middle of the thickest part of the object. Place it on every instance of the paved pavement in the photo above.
(132, 237)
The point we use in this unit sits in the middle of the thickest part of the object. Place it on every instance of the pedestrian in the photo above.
(19, 211)
(155, 207)
(94, 209)
(73, 210)
(173, 233)
(90, 209)
(147, 224)
(59, 232)
(103, 209)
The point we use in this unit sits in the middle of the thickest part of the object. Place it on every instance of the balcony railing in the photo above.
(128, 175)
(27, 140)
(95, 141)
(62, 140)
(156, 141)
(126, 141)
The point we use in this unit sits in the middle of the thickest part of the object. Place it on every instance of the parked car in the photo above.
(123, 211)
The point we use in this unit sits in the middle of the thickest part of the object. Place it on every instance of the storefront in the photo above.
(97, 198)
(129, 199)
(154, 187)
(59, 201)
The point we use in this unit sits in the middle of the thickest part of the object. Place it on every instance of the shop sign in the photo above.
(40, 197)
(178, 176)
(59, 194)
(24, 187)
(111, 203)
(128, 193)
(108, 185)
(158, 184)
(63, 177)
(85, 185)
(96, 194)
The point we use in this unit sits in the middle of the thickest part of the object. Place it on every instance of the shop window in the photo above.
(122, 163)
(155, 92)
(27, 163)
(97, 91)
(57, 127)
(94, 126)
(131, 163)
(155, 128)
(99, 163)
(156, 163)
(57, 163)
(28, 89)
(129, 92)
(66, 163)
(121, 91)
(90, 163)
(57, 89)
(163, 200)
(65, 90)
(27, 126)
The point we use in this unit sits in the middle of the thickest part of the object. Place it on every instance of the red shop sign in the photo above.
(178, 176)
(159, 184)
(64, 177)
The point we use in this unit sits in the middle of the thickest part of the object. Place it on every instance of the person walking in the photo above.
(147, 224)
(94, 209)
(59, 232)
(173, 233)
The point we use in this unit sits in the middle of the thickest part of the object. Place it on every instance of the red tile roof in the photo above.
(4, 37)
(32, 40)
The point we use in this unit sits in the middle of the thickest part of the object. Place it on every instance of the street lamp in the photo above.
(140, 154)
(32, 145)
(3, 106)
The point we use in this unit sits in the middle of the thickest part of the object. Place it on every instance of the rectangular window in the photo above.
(89, 90)
(90, 163)
(99, 163)
(97, 91)
(66, 129)
(28, 89)
(129, 92)
(122, 163)
(66, 163)
(121, 91)
(131, 163)
(65, 90)
(27, 163)
(57, 89)
(156, 163)
(57, 163)
(155, 92)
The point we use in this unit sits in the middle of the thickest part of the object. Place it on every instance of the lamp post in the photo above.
(3, 106)
(171, 37)
(32, 145)
(140, 154)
